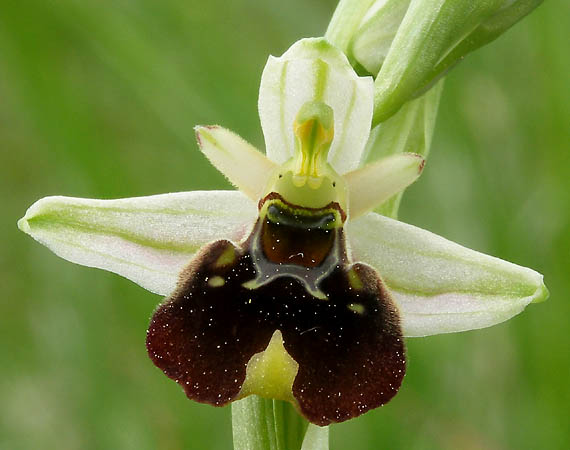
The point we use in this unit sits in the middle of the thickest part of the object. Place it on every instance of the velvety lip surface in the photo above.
(348, 345)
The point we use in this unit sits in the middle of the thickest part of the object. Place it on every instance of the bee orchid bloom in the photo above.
(290, 288)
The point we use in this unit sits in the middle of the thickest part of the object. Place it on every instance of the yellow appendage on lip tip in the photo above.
(271, 373)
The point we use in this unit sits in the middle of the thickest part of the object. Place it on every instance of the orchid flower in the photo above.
(291, 287)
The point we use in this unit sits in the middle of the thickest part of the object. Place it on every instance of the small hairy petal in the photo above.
(145, 239)
(245, 167)
(375, 183)
(314, 70)
(440, 286)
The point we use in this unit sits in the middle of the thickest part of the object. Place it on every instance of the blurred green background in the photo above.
(98, 99)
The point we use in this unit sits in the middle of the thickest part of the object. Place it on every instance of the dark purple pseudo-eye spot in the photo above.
(337, 320)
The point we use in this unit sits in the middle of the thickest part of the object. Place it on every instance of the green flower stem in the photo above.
(344, 22)
(265, 424)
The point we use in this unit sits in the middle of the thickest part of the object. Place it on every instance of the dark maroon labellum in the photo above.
(292, 274)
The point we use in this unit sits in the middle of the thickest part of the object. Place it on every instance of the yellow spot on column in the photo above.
(271, 372)
(314, 132)
(216, 281)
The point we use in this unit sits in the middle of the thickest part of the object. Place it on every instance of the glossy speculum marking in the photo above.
(292, 274)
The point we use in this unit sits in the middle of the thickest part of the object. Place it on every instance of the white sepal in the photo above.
(440, 286)
(148, 240)
(314, 70)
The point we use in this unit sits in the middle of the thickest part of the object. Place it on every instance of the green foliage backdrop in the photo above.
(99, 98)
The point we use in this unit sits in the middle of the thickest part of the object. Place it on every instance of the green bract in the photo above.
(291, 286)
(408, 44)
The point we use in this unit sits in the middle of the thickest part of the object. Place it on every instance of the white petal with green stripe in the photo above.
(314, 70)
(145, 239)
(246, 168)
(440, 286)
